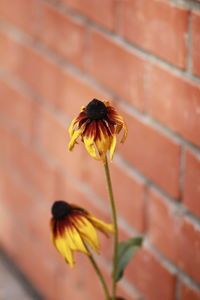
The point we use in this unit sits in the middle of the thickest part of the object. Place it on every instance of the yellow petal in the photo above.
(103, 142)
(118, 128)
(90, 146)
(83, 108)
(100, 225)
(106, 103)
(113, 146)
(87, 232)
(74, 240)
(74, 138)
(71, 128)
(62, 247)
(125, 132)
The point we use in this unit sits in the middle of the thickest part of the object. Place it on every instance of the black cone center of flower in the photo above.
(60, 209)
(96, 110)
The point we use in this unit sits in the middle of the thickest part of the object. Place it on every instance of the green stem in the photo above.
(99, 274)
(114, 218)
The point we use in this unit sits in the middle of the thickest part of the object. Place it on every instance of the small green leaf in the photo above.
(126, 250)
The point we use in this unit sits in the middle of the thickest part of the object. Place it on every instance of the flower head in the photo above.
(98, 124)
(72, 227)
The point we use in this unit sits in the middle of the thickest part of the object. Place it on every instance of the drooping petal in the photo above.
(63, 247)
(71, 128)
(87, 232)
(100, 225)
(121, 124)
(89, 137)
(113, 146)
(125, 132)
(74, 240)
(74, 137)
(90, 147)
(103, 140)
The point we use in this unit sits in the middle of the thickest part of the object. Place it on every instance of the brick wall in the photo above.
(144, 55)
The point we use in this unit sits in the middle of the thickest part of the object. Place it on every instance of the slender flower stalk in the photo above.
(99, 274)
(114, 218)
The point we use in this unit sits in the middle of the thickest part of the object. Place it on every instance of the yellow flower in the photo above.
(98, 124)
(72, 227)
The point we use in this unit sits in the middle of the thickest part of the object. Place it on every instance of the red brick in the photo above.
(122, 292)
(188, 293)
(175, 102)
(174, 235)
(157, 27)
(75, 287)
(82, 284)
(32, 166)
(25, 251)
(53, 138)
(76, 93)
(113, 65)
(35, 169)
(150, 151)
(68, 191)
(17, 108)
(129, 192)
(9, 52)
(130, 197)
(6, 147)
(196, 43)
(164, 225)
(51, 82)
(191, 193)
(145, 271)
(22, 13)
(102, 12)
(62, 34)
(16, 199)
(41, 74)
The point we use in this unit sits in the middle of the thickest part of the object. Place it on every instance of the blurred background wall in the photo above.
(144, 55)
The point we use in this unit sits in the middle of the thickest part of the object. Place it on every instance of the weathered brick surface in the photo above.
(196, 43)
(17, 108)
(64, 35)
(192, 183)
(157, 26)
(160, 153)
(145, 271)
(188, 293)
(179, 231)
(143, 57)
(110, 63)
(174, 102)
(21, 13)
(102, 13)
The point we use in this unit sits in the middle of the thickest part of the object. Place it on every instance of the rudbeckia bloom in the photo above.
(98, 124)
(72, 227)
